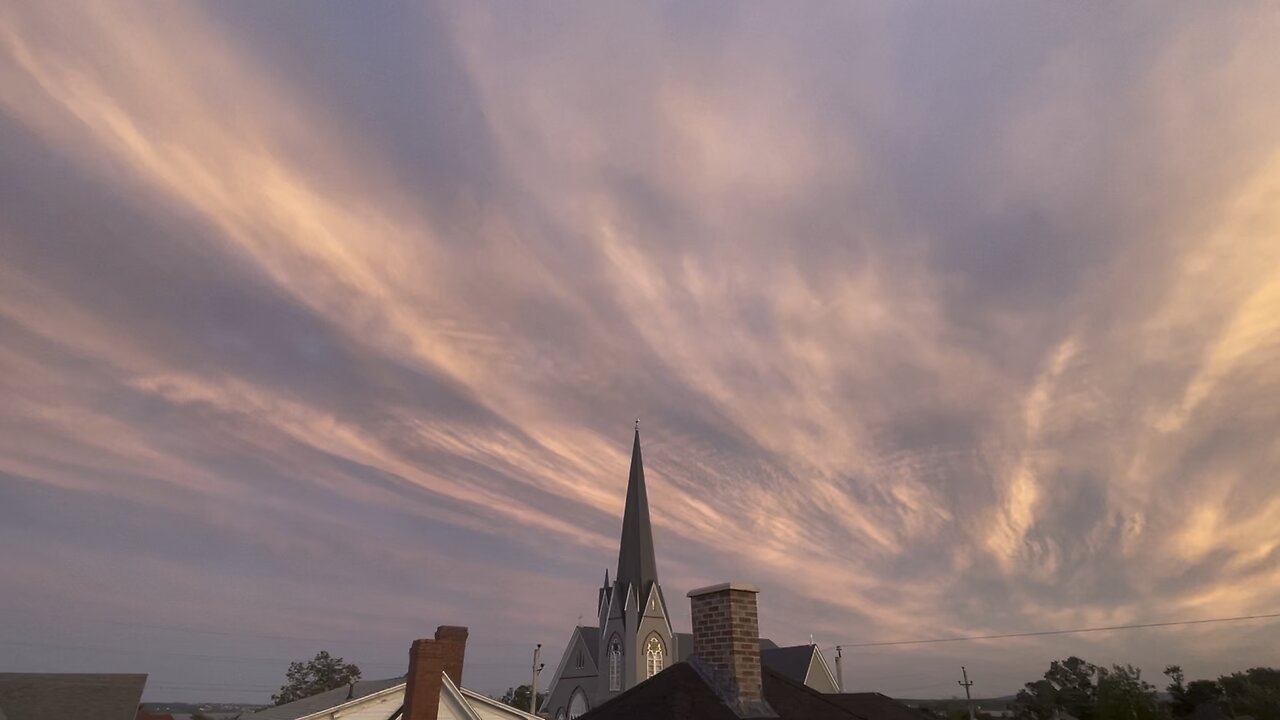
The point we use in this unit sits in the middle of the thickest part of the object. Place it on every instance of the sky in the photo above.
(325, 324)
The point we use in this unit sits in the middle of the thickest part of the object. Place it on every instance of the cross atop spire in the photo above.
(636, 564)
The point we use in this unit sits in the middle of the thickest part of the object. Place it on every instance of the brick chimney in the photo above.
(428, 659)
(726, 641)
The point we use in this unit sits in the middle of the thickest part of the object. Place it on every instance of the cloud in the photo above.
(937, 322)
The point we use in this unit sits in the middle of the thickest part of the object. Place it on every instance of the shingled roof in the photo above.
(681, 693)
(64, 696)
(591, 637)
(793, 699)
(793, 662)
(325, 700)
(875, 706)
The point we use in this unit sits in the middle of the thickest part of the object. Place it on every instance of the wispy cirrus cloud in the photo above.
(940, 320)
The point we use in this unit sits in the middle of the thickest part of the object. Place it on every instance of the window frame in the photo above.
(654, 656)
(615, 663)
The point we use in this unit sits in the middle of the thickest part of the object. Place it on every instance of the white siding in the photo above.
(378, 707)
(492, 712)
(450, 709)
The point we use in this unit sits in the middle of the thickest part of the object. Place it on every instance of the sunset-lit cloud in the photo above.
(939, 320)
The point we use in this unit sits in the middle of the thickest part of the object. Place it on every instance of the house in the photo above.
(633, 639)
(800, 663)
(725, 678)
(68, 696)
(432, 690)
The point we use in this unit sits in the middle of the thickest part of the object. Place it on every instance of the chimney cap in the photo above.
(741, 587)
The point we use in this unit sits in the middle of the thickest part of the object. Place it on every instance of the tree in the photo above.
(1254, 692)
(1124, 695)
(1185, 698)
(1068, 686)
(323, 672)
(518, 697)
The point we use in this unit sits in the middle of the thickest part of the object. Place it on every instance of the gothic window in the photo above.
(578, 661)
(577, 704)
(653, 652)
(560, 715)
(615, 663)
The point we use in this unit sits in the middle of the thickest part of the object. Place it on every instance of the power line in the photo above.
(1040, 633)
(180, 628)
(170, 653)
(230, 633)
(204, 656)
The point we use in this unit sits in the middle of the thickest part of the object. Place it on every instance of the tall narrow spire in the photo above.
(636, 564)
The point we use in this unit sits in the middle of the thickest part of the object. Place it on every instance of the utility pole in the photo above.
(533, 686)
(839, 668)
(967, 683)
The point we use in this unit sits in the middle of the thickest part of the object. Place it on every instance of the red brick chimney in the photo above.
(428, 659)
(726, 641)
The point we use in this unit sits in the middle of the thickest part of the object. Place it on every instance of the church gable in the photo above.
(578, 670)
(654, 607)
(580, 658)
(819, 676)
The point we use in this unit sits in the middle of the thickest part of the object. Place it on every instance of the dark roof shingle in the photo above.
(793, 661)
(591, 636)
(680, 693)
(70, 696)
(677, 693)
(875, 706)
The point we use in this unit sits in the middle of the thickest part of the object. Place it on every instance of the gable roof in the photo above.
(494, 706)
(591, 638)
(793, 699)
(875, 706)
(793, 662)
(59, 696)
(799, 662)
(463, 702)
(326, 700)
(676, 693)
(681, 693)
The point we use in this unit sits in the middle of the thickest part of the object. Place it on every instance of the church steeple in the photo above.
(637, 567)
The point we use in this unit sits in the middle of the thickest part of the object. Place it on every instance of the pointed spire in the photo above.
(636, 564)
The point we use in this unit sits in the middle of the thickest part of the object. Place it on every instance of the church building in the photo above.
(633, 639)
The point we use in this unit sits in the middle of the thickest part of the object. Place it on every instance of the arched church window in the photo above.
(577, 704)
(615, 663)
(578, 660)
(560, 715)
(653, 652)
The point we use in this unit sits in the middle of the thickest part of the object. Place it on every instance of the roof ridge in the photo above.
(805, 688)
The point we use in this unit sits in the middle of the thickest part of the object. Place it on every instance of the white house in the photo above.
(429, 692)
